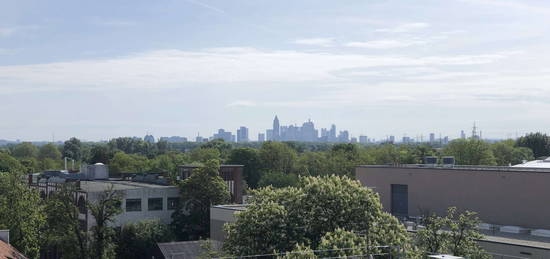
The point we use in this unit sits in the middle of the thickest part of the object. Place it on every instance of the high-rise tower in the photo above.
(276, 127)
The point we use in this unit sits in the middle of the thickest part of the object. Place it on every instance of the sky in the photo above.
(102, 69)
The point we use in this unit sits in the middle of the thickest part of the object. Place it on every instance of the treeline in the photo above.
(268, 163)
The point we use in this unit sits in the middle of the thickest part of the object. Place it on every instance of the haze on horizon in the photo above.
(103, 69)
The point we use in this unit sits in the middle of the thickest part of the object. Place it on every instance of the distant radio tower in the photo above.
(474, 131)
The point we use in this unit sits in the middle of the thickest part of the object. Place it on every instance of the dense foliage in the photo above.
(281, 219)
(203, 189)
(454, 234)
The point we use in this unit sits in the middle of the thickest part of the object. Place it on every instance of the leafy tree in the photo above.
(9, 164)
(138, 240)
(299, 252)
(470, 152)
(343, 243)
(278, 180)
(49, 151)
(203, 189)
(24, 150)
(507, 153)
(30, 165)
(128, 163)
(21, 212)
(100, 154)
(104, 211)
(280, 219)
(202, 155)
(250, 159)
(50, 164)
(62, 229)
(455, 234)
(277, 156)
(223, 147)
(72, 149)
(539, 143)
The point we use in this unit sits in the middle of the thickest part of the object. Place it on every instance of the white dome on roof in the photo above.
(99, 164)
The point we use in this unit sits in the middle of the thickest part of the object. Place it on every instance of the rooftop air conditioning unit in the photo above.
(448, 161)
(430, 160)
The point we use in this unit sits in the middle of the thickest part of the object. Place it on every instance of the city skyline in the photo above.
(104, 69)
(291, 132)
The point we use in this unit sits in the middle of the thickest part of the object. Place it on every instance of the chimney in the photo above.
(5, 235)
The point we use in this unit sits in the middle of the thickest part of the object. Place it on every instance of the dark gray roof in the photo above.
(185, 249)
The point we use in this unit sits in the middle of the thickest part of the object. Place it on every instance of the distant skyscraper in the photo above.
(343, 136)
(225, 135)
(392, 139)
(276, 129)
(432, 138)
(149, 138)
(462, 134)
(269, 134)
(353, 140)
(363, 139)
(406, 140)
(261, 137)
(332, 133)
(242, 134)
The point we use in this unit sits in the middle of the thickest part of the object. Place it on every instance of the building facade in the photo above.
(502, 196)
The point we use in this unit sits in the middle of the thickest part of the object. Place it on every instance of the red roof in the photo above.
(9, 252)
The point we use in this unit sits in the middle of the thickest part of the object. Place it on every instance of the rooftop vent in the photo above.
(448, 161)
(430, 160)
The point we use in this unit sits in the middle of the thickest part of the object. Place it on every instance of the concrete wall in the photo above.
(164, 215)
(218, 217)
(510, 251)
(500, 197)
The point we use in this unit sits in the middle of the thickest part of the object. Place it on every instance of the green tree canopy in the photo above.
(128, 163)
(9, 164)
(203, 189)
(104, 210)
(250, 159)
(138, 240)
(539, 143)
(277, 156)
(507, 153)
(49, 151)
(100, 153)
(280, 219)
(24, 150)
(454, 234)
(72, 149)
(22, 213)
(470, 152)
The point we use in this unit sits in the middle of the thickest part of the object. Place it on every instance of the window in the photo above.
(133, 204)
(400, 200)
(155, 204)
(173, 203)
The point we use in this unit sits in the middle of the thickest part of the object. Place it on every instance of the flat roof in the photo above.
(198, 166)
(102, 185)
(236, 207)
(463, 168)
(524, 239)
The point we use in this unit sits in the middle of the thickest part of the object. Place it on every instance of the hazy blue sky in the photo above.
(101, 69)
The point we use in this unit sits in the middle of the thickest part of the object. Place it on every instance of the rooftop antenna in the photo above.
(474, 131)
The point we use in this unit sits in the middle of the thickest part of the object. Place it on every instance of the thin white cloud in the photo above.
(207, 6)
(384, 44)
(407, 27)
(112, 23)
(321, 42)
(177, 68)
(515, 5)
(7, 31)
(242, 103)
